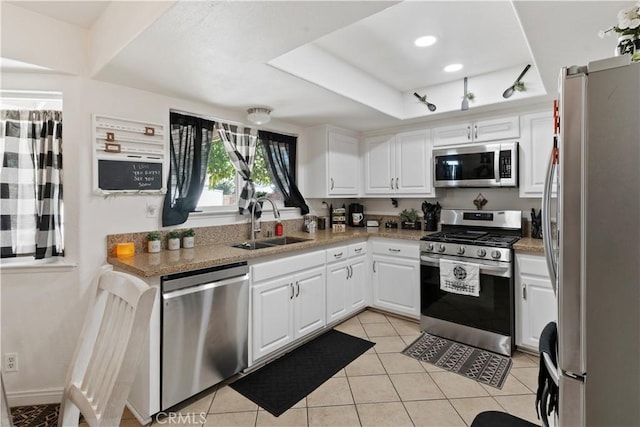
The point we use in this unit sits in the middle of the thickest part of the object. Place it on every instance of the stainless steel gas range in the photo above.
(471, 241)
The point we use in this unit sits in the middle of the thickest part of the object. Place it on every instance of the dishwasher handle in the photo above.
(205, 286)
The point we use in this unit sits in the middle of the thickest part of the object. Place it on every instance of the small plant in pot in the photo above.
(173, 240)
(188, 238)
(409, 219)
(154, 243)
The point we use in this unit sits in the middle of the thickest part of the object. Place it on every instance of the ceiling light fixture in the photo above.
(425, 41)
(453, 68)
(258, 115)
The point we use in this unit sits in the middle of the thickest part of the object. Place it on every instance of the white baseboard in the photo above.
(35, 397)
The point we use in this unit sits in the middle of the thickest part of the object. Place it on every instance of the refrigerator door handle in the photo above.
(546, 221)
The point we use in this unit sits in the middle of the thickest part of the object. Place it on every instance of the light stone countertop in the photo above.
(527, 244)
(168, 262)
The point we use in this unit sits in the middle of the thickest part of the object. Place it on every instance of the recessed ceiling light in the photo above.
(425, 41)
(453, 67)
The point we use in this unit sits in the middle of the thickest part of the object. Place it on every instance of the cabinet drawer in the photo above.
(392, 248)
(532, 265)
(337, 254)
(287, 265)
(356, 249)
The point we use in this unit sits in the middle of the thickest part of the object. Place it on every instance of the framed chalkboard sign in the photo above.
(129, 156)
(126, 175)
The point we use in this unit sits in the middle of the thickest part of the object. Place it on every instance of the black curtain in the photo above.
(280, 154)
(190, 144)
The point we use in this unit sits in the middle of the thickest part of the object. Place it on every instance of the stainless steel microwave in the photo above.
(483, 165)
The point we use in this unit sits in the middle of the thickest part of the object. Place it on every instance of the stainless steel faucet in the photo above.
(276, 215)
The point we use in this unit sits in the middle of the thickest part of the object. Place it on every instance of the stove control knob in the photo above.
(430, 247)
(441, 247)
(482, 252)
(460, 250)
(496, 254)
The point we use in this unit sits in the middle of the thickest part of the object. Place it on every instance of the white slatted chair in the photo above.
(108, 351)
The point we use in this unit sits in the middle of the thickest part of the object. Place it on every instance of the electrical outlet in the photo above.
(10, 362)
(152, 210)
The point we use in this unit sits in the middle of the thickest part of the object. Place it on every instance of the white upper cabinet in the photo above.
(478, 131)
(535, 151)
(330, 163)
(399, 164)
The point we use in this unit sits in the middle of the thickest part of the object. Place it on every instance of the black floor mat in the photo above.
(284, 382)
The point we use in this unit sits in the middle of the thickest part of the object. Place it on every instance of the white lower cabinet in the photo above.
(346, 271)
(396, 277)
(535, 301)
(289, 306)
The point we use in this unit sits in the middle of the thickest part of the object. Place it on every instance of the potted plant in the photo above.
(409, 219)
(173, 240)
(188, 238)
(153, 242)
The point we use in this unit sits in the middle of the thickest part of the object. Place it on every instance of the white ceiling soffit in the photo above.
(217, 52)
(80, 13)
(375, 62)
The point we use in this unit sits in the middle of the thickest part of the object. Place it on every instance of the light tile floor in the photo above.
(380, 388)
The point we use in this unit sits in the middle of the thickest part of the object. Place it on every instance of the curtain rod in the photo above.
(231, 122)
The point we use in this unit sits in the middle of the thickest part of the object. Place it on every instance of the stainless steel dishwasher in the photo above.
(204, 329)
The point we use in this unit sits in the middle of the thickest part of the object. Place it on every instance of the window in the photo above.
(223, 184)
(31, 217)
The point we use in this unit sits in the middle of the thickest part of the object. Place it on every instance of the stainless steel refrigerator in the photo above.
(593, 254)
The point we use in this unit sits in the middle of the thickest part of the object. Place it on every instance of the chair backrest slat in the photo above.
(106, 358)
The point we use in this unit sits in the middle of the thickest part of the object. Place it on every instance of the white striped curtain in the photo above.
(31, 183)
(240, 145)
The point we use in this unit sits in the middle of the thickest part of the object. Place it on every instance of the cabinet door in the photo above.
(396, 285)
(413, 163)
(379, 165)
(337, 290)
(357, 280)
(450, 135)
(535, 151)
(491, 130)
(538, 307)
(343, 164)
(272, 315)
(309, 301)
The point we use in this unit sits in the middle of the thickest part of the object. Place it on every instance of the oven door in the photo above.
(492, 311)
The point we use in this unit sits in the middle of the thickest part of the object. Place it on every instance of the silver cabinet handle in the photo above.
(397, 180)
(297, 288)
(469, 132)
(475, 131)
(347, 268)
(357, 250)
(392, 183)
(524, 291)
(394, 250)
(292, 291)
(331, 183)
(338, 255)
(374, 266)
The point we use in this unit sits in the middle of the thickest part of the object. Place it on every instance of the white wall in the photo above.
(42, 309)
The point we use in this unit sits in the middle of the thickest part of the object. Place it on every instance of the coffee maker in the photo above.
(356, 215)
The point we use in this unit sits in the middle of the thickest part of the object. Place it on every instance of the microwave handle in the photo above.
(496, 165)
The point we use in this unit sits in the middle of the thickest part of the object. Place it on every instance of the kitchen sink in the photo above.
(270, 243)
(287, 240)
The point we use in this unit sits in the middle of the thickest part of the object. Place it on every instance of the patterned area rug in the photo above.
(35, 415)
(474, 363)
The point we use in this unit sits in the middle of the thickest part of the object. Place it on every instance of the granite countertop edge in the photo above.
(168, 262)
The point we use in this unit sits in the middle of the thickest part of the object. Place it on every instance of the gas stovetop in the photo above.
(478, 235)
(481, 238)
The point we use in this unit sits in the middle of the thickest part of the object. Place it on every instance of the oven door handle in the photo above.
(503, 270)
